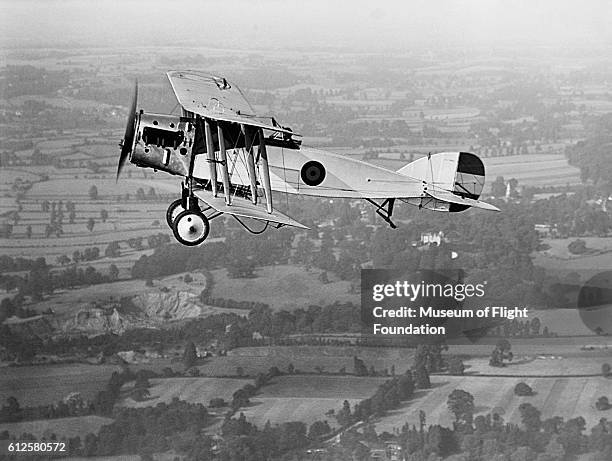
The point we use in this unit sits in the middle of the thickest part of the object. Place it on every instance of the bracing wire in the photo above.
(249, 229)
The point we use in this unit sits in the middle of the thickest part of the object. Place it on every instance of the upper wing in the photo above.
(214, 97)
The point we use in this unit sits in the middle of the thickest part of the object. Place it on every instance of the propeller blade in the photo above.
(130, 130)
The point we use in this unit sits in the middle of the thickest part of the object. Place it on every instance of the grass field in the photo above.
(586, 266)
(559, 247)
(61, 427)
(551, 364)
(282, 287)
(306, 358)
(45, 384)
(193, 390)
(533, 170)
(565, 397)
(307, 398)
(562, 321)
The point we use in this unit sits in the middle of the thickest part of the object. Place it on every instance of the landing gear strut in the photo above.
(385, 210)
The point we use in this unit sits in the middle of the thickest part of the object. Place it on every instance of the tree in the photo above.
(359, 367)
(344, 415)
(190, 356)
(523, 454)
(12, 410)
(317, 429)
(571, 435)
(577, 247)
(602, 403)
(113, 272)
(103, 215)
(498, 187)
(112, 250)
(421, 377)
(523, 389)
(535, 326)
(217, 402)
(405, 386)
(90, 224)
(606, 370)
(501, 353)
(456, 366)
(530, 417)
(93, 192)
(461, 404)
(63, 260)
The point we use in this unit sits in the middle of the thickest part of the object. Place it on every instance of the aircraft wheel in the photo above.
(190, 228)
(173, 211)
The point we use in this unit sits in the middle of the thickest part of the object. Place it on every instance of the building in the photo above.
(432, 237)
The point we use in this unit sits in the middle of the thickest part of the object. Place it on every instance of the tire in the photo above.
(190, 228)
(173, 211)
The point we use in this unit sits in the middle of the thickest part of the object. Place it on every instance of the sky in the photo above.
(361, 25)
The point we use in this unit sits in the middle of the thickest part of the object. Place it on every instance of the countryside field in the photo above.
(307, 398)
(330, 359)
(283, 287)
(61, 427)
(193, 390)
(533, 170)
(45, 384)
(559, 261)
(564, 322)
(551, 364)
(565, 397)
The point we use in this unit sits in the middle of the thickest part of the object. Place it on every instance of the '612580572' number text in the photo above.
(35, 447)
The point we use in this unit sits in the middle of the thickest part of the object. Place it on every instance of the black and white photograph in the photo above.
(305, 231)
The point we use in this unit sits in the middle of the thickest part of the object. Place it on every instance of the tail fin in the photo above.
(457, 176)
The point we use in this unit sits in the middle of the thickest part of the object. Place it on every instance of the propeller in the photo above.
(130, 130)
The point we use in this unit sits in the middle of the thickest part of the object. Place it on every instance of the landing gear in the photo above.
(173, 211)
(385, 210)
(190, 227)
(190, 224)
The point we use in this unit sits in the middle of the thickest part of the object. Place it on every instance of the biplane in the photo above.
(232, 159)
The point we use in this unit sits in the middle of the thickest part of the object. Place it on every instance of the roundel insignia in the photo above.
(313, 173)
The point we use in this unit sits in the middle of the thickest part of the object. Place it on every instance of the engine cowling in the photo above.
(164, 142)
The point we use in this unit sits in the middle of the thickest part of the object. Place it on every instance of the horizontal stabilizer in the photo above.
(246, 209)
(447, 196)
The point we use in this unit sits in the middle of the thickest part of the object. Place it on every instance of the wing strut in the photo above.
(265, 172)
(249, 140)
(223, 166)
(210, 154)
